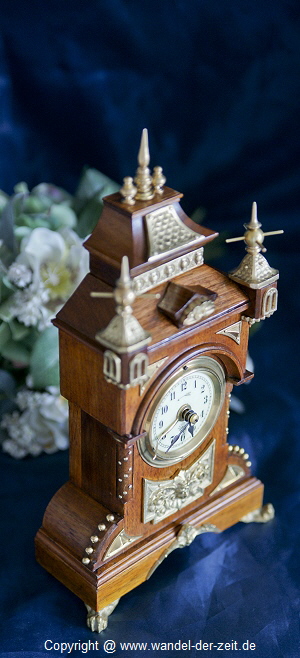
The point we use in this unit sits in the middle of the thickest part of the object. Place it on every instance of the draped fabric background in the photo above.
(218, 86)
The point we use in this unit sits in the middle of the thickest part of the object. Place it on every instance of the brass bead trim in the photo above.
(124, 472)
(241, 452)
(94, 539)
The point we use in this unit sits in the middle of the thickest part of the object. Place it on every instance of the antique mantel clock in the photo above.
(148, 370)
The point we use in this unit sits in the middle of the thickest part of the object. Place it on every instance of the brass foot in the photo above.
(97, 621)
(260, 515)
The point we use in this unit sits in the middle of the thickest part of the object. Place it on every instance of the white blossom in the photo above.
(19, 274)
(40, 425)
(49, 267)
(28, 306)
(55, 257)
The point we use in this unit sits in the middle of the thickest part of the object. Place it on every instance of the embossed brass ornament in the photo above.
(161, 499)
(166, 232)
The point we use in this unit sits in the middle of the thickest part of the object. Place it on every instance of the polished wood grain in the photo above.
(130, 568)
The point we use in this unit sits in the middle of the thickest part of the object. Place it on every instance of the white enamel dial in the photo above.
(183, 412)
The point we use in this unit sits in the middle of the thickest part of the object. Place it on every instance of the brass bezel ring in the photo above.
(215, 371)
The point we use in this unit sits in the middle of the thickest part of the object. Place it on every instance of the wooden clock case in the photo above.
(94, 537)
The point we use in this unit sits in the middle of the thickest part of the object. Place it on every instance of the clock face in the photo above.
(183, 412)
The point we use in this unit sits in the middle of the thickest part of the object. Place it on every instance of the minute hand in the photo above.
(177, 436)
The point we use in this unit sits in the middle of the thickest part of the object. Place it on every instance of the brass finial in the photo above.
(128, 191)
(124, 294)
(254, 236)
(143, 178)
(124, 333)
(158, 180)
(254, 270)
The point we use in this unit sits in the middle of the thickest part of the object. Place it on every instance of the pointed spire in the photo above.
(125, 277)
(254, 223)
(143, 178)
(144, 155)
(254, 236)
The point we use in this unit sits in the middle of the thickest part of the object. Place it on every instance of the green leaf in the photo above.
(93, 182)
(62, 215)
(7, 382)
(32, 221)
(3, 199)
(198, 215)
(4, 334)
(5, 310)
(21, 188)
(89, 217)
(7, 226)
(16, 352)
(50, 194)
(22, 232)
(44, 360)
(7, 288)
(87, 203)
(33, 204)
(18, 330)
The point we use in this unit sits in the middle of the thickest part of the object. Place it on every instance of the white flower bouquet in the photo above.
(41, 263)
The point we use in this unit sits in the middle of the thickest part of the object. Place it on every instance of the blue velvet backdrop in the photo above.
(217, 83)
